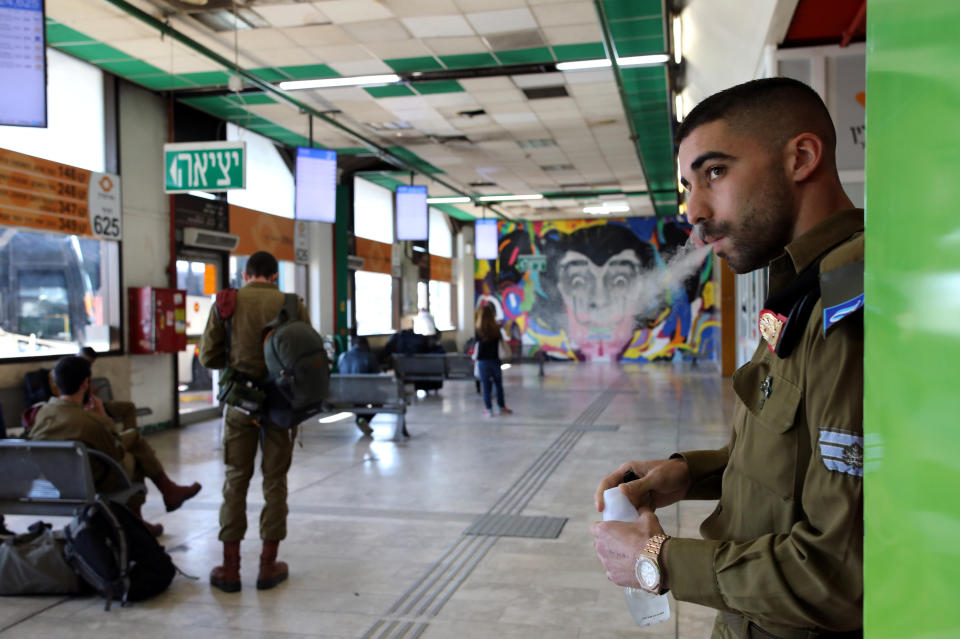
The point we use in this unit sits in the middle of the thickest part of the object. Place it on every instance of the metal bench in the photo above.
(458, 366)
(53, 478)
(370, 394)
(425, 367)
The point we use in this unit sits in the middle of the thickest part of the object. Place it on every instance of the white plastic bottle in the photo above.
(646, 608)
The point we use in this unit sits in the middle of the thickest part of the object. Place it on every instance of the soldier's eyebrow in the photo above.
(709, 155)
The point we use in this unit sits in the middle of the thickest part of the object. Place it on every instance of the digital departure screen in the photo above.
(23, 64)
(316, 185)
(412, 220)
(486, 240)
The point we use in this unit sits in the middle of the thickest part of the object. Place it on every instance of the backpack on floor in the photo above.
(298, 368)
(33, 564)
(112, 550)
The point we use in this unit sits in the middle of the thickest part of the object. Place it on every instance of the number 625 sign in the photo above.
(104, 205)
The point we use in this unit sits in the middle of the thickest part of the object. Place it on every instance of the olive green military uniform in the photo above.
(62, 419)
(123, 412)
(782, 554)
(258, 303)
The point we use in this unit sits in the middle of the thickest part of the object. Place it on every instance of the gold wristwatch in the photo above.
(648, 571)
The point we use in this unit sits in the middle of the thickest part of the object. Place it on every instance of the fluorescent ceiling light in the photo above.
(509, 198)
(678, 107)
(326, 83)
(602, 63)
(203, 194)
(458, 199)
(677, 39)
(339, 417)
(606, 209)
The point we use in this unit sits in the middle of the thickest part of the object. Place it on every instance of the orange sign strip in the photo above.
(441, 268)
(262, 232)
(42, 194)
(376, 255)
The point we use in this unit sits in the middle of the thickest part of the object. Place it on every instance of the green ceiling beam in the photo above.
(644, 93)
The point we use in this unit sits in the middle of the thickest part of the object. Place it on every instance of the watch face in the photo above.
(647, 573)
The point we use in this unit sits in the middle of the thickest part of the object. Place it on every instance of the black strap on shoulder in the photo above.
(795, 302)
(288, 312)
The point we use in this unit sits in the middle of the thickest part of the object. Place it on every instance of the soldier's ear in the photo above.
(274, 278)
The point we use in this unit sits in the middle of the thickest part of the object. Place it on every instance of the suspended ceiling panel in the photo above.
(482, 134)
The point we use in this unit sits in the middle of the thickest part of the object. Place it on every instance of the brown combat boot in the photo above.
(227, 576)
(174, 494)
(155, 529)
(272, 571)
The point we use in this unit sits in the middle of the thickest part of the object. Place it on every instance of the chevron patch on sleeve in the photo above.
(841, 451)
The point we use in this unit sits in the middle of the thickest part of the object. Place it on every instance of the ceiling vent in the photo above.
(515, 40)
(481, 184)
(216, 240)
(557, 167)
(539, 93)
(399, 125)
(473, 113)
(536, 144)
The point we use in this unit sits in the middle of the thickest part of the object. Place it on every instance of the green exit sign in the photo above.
(204, 166)
(532, 263)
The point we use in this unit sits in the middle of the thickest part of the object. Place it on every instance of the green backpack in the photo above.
(298, 369)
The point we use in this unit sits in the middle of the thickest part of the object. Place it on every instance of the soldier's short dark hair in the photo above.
(770, 109)
(261, 264)
(89, 353)
(70, 372)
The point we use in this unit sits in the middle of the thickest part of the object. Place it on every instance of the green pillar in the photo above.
(340, 253)
(912, 321)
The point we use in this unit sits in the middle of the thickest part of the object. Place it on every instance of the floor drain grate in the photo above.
(517, 526)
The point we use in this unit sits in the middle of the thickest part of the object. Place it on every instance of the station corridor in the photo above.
(377, 544)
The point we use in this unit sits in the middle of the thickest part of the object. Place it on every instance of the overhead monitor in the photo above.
(486, 240)
(412, 218)
(316, 185)
(23, 63)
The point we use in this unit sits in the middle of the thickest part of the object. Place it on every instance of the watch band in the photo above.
(651, 550)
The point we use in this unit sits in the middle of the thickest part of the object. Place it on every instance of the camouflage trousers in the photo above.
(241, 439)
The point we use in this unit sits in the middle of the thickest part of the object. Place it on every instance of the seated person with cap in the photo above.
(77, 415)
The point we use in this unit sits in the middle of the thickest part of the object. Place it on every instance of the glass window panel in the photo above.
(441, 239)
(374, 298)
(372, 211)
(270, 186)
(440, 306)
(57, 293)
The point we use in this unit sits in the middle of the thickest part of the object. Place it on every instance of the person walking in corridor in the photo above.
(488, 345)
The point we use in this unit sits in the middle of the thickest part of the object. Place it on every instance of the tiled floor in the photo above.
(376, 544)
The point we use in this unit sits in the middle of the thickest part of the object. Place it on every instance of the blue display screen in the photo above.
(412, 219)
(316, 185)
(23, 64)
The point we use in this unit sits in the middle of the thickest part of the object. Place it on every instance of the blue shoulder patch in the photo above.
(834, 314)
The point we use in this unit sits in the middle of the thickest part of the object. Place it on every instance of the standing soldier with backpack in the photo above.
(234, 340)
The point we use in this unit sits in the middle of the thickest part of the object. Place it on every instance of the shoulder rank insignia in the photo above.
(841, 451)
(771, 326)
(842, 292)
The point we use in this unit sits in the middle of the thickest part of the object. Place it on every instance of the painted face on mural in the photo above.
(738, 194)
(600, 295)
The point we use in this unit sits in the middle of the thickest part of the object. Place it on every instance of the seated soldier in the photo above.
(76, 415)
(118, 411)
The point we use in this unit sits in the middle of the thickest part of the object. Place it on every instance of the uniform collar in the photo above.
(801, 252)
(259, 285)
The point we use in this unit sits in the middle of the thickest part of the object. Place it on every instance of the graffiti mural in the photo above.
(600, 290)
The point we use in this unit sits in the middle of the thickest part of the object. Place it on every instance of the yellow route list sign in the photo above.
(50, 196)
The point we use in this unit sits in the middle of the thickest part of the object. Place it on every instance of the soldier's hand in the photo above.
(95, 405)
(619, 544)
(660, 482)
